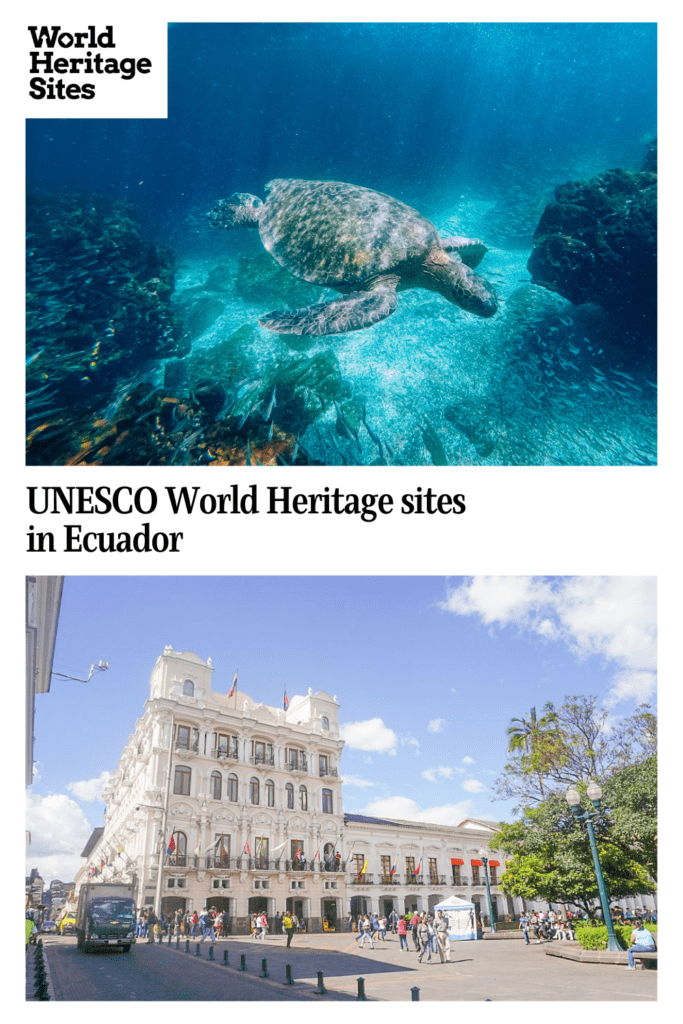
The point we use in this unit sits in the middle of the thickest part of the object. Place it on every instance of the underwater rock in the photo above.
(260, 279)
(219, 279)
(230, 358)
(306, 387)
(598, 243)
(199, 311)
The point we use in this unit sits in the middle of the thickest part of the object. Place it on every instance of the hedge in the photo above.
(595, 937)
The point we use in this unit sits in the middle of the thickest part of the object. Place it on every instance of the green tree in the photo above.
(528, 742)
(548, 855)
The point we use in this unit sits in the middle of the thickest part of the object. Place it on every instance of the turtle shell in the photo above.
(339, 235)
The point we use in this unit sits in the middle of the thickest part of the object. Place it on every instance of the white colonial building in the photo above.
(222, 801)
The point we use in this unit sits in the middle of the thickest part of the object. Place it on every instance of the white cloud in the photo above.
(438, 774)
(90, 790)
(407, 810)
(613, 617)
(410, 741)
(467, 759)
(353, 780)
(473, 786)
(59, 830)
(371, 734)
(436, 724)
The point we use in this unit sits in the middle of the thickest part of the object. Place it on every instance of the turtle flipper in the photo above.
(470, 250)
(241, 210)
(349, 313)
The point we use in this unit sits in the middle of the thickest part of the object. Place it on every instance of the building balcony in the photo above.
(361, 879)
(389, 879)
(299, 766)
(181, 747)
(223, 754)
(331, 773)
(262, 761)
(414, 879)
(461, 882)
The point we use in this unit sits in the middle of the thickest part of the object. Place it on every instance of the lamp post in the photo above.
(574, 801)
(485, 862)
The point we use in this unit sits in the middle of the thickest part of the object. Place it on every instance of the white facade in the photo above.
(220, 800)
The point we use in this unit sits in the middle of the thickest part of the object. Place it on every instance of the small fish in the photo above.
(36, 355)
(433, 444)
(270, 431)
(247, 453)
(271, 406)
(372, 434)
(621, 374)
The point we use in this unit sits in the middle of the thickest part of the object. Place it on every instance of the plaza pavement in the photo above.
(492, 969)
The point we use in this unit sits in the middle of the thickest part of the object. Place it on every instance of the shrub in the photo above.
(590, 936)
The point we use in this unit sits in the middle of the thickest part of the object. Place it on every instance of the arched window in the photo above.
(326, 723)
(270, 793)
(253, 790)
(303, 798)
(182, 780)
(289, 796)
(328, 802)
(216, 785)
(188, 688)
(233, 788)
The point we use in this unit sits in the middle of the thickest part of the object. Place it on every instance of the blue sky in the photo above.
(428, 672)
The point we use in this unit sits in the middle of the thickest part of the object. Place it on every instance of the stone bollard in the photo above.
(264, 969)
(197, 951)
(415, 994)
(321, 990)
(225, 958)
(243, 961)
(170, 938)
(288, 974)
(211, 951)
(361, 989)
(177, 941)
(187, 945)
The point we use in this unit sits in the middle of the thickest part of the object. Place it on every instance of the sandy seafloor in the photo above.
(541, 383)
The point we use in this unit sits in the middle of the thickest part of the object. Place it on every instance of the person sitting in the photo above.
(642, 941)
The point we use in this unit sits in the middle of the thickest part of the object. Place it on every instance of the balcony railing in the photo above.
(222, 753)
(462, 881)
(267, 760)
(297, 766)
(186, 748)
(389, 879)
(332, 772)
(361, 879)
(412, 879)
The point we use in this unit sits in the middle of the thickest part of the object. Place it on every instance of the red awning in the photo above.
(457, 860)
(477, 863)
(494, 863)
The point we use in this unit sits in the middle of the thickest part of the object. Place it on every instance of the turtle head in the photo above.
(459, 284)
(241, 210)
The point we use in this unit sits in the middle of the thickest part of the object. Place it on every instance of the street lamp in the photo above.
(485, 862)
(574, 800)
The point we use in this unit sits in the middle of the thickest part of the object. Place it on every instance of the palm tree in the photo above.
(524, 735)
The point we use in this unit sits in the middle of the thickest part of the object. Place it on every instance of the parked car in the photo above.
(49, 927)
(67, 925)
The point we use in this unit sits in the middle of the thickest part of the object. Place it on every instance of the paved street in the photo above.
(503, 970)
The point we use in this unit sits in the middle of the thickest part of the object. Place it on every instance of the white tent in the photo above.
(460, 914)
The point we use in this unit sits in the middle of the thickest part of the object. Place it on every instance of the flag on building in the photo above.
(246, 849)
(393, 869)
(234, 685)
(171, 845)
(365, 866)
(285, 702)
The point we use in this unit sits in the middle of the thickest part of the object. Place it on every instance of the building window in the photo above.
(456, 868)
(328, 802)
(296, 847)
(475, 875)
(187, 738)
(262, 752)
(289, 793)
(226, 746)
(270, 793)
(386, 868)
(325, 723)
(433, 872)
(221, 851)
(410, 868)
(178, 845)
(303, 798)
(188, 688)
(216, 785)
(233, 788)
(253, 790)
(181, 781)
(493, 874)
(324, 765)
(296, 759)
(262, 850)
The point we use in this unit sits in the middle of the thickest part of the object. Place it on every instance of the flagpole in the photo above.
(162, 851)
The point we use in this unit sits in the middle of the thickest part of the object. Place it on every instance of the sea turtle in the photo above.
(363, 244)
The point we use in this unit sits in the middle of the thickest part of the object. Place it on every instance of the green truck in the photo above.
(106, 915)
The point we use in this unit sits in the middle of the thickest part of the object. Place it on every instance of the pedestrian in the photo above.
(432, 933)
(524, 928)
(263, 925)
(642, 941)
(402, 929)
(443, 940)
(423, 938)
(414, 925)
(393, 921)
(151, 924)
(195, 925)
(366, 932)
(382, 927)
(206, 922)
(288, 925)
